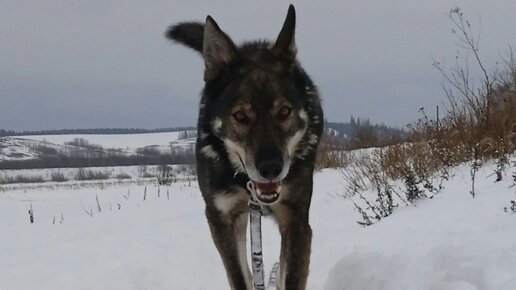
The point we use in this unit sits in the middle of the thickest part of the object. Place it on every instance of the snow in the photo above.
(114, 173)
(23, 147)
(449, 242)
(112, 140)
(16, 149)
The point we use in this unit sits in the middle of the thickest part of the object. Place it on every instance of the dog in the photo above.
(260, 119)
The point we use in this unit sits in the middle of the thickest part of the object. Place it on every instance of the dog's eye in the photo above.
(240, 117)
(284, 112)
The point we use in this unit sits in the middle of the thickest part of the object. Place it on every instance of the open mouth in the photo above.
(268, 192)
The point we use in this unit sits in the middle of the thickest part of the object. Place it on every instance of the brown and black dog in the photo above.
(260, 119)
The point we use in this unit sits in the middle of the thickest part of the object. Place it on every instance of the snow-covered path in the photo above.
(449, 242)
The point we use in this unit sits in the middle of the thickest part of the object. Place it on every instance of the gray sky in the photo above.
(99, 63)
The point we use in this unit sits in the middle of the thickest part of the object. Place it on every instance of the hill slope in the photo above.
(16, 152)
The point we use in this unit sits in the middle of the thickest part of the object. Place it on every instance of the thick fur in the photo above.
(242, 126)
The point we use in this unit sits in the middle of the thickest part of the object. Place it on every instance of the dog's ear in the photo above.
(218, 49)
(285, 45)
(187, 33)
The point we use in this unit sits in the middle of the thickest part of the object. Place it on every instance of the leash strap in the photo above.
(273, 277)
(255, 215)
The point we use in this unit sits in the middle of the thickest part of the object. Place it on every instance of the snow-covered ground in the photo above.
(19, 149)
(449, 242)
(26, 147)
(112, 140)
(135, 173)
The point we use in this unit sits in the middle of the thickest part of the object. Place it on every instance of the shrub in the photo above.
(412, 184)
(123, 176)
(479, 123)
(58, 176)
(21, 179)
(165, 175)
(44, 149)
(88, 174)
(148, 151)
(481, 118)
(83, 143)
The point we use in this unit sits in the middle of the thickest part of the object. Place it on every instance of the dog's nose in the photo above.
(270, 168)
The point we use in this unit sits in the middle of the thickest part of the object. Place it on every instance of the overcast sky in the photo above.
(101, 63)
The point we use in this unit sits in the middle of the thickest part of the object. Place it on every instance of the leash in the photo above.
(255, 216)
(255, 229)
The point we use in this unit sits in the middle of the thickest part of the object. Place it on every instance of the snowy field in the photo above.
(449, 242)
(129, 174)
(112, 140)
(24, 147)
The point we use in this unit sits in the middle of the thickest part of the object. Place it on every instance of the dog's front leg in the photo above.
(229, 234)
(296, 239)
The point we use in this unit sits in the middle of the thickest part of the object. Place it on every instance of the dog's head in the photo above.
(254, 100)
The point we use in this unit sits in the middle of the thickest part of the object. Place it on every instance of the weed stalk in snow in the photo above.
(512, 207)
(88, 212)
(98, 203)
(31, 214)
(366, 220)
(473, 171)
(501, 165)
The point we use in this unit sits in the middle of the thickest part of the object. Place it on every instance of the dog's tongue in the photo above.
(267, 188)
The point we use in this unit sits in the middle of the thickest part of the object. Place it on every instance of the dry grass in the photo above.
(330, 153)
(89, 174)
(21, 179)
(479, 124)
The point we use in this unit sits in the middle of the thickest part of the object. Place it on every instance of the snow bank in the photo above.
(452, 242)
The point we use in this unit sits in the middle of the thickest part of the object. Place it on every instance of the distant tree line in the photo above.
(4, 133)
(361, 133)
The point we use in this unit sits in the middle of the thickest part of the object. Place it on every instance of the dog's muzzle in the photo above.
(270, 167)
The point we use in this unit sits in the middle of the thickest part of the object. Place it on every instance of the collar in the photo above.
(241, 179)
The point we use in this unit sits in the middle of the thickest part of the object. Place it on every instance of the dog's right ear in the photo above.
(218, 49)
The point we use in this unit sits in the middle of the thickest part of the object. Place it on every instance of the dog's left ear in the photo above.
(285, 45)
(218, 49)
